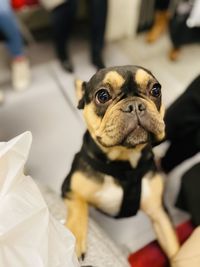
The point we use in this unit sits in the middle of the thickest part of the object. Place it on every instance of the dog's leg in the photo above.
(151, 204)
(77, 221)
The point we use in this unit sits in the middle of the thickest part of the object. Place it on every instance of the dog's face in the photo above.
(122, 106)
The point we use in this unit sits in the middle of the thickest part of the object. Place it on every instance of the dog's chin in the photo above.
(136, 137)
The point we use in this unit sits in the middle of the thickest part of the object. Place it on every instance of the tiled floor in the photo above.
(48, 109)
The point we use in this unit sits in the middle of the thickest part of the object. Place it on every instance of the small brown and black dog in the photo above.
(115, 170)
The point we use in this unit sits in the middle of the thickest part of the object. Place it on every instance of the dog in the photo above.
(115, 169)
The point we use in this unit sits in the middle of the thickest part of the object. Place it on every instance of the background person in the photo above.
(9, 29)
(161, 20)
(62, 17)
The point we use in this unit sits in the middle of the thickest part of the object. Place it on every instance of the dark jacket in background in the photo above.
(183, 132)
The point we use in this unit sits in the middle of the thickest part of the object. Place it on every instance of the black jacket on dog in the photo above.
(128, 177)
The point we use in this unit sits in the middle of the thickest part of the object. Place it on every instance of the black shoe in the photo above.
(67, 66)
(97, 61)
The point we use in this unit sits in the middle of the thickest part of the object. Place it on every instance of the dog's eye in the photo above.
(102, 96)
(156, 90)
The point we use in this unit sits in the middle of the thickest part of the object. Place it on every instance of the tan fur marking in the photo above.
(77, 221)
(152, 190)
(162, 135)
(114, 79)
(162, 111)
(92, 120)
(142, 78)
(84, 187)
(160, 130)
(123, 153)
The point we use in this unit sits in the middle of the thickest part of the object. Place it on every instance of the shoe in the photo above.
(97, 61)
(20, 74)
(159, 27)
(174, 54)
(67, 66)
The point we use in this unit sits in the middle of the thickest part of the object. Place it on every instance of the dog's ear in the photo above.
(80, 93)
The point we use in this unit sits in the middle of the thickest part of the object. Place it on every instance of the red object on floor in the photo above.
(152, 255)
(18, 4)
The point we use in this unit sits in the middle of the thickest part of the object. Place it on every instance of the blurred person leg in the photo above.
(181, 34)
(14, 43)
(62, 20)
(98, 16)
(161, 20)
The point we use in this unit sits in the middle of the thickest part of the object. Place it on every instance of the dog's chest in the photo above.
(111, 194)
(109, 197)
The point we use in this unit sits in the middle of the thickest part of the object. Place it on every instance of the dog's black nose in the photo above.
(135, 107)
(129, 108)
(141, 107)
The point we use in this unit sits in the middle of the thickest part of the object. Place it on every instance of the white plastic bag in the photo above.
(29, 235)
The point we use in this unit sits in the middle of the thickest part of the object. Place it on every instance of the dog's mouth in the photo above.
(131, 136)
(136, 136)
(129, 129)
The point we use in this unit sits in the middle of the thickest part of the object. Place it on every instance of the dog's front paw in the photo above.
(81, 249)
(80, 235)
